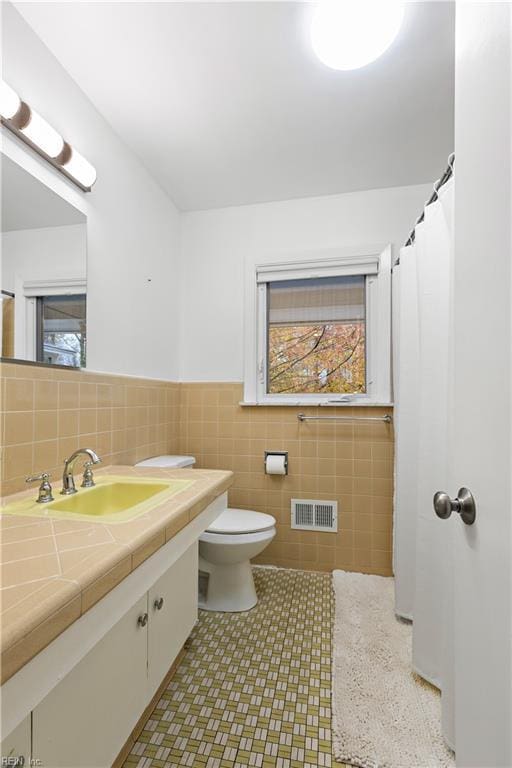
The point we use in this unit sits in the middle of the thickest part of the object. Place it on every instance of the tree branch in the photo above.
(300, 359)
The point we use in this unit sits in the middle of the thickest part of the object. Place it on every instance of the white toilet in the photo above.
(225, 550)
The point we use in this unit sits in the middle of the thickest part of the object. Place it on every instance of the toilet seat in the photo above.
(237, 539)
(241, 521)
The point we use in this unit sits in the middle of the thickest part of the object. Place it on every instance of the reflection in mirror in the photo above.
(43, 270)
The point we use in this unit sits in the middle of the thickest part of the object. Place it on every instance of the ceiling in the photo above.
(28, 204)
(226, 104)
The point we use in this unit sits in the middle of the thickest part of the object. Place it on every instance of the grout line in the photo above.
(32, 581)
(55, 554)
(56, 547)
(55, 578)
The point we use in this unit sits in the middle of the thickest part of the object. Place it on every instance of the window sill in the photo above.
(316, 404)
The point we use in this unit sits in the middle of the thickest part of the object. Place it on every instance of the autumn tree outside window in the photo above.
(319, 331)
(316, 336)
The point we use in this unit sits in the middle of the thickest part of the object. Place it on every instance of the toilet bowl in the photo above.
(225, 551)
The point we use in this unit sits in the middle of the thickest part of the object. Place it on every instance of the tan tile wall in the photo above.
(349, 462)
(47, 413)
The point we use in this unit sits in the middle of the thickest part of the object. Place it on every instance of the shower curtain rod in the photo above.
(433, 197)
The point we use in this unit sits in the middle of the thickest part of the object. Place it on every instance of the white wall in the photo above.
(219, 244)
(38, 254)
(133, 229)
(145, 309)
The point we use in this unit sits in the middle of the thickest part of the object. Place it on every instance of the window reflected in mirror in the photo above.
(61, 330)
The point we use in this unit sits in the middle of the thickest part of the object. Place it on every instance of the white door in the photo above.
(480, 430)
(18, 744)
(86, 719)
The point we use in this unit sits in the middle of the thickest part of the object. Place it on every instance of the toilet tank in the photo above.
(168, 462)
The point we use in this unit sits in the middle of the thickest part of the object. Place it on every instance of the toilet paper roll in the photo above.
(275, 465)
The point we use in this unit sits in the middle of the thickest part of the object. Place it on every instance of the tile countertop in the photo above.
(53, 571)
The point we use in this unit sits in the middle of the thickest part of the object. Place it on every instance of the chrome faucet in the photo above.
(68, 481)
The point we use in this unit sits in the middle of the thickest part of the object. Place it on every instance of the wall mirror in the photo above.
(43, 271)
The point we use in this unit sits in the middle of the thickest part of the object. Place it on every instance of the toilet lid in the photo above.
(241, 521)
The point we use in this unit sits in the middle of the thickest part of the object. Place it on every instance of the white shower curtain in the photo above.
(421, 556)
(406, 418)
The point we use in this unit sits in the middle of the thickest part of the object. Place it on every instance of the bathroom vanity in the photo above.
(74, 699)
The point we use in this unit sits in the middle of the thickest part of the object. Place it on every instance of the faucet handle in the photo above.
(88, 478)
(45, 489)
(41, 476)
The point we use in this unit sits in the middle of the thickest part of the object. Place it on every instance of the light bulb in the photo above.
(80, 168)
(348, 34)
(43, 135)
(9, 101)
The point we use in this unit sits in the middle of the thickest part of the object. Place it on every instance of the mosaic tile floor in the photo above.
(254, 689)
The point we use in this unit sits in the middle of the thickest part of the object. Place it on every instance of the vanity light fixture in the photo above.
(33, 129)
(40, 133)
(10, 102)
(78, 167)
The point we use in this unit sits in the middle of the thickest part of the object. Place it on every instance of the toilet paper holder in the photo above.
(276, 453)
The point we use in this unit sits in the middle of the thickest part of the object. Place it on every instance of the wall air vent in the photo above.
(314, 515)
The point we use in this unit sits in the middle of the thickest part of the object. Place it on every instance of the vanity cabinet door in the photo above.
(88, 716)
(172, 608)
(17, 744)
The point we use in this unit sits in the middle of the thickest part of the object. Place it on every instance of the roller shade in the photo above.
(63, 314)
(361, 265)
(317, 300)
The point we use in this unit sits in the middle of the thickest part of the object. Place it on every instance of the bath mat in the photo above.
(384, 716)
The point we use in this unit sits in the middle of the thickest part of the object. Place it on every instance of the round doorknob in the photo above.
(443, 505)
(463, 504)
(158, 603)
(142, 620)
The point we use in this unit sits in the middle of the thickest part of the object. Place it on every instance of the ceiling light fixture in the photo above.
(33, 129)
(348, 34)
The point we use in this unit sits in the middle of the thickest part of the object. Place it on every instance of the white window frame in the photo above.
(25, 323)
(372, 261)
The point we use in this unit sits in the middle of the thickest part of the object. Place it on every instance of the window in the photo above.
(319, 331)
(61, 330)
(316, 336)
